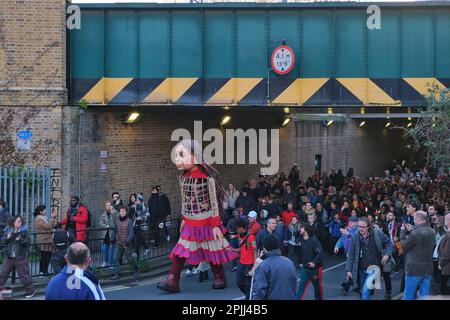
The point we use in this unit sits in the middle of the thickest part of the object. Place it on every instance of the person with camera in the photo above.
(76, 220)
(310, 260)
(368, 249)
(123, 237)
(116, 201)
(75, 281)
(418, 245)
(44, 230)
(139, 214)
(15, 239)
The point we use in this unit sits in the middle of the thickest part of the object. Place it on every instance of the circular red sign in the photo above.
(283, 59)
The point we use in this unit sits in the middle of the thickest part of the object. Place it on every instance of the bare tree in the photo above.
(431, 133)
(16, 117)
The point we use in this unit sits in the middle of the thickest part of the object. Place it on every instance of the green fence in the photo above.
(23, 189)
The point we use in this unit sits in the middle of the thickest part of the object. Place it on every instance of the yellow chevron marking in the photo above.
(97, 93)
(300, 91)
(234, 90)
(105, 90)
(244, 86)
(178, 86)
(170, 90)
(113, 86)
(421, 84)
(160, 94)
(367, 91)
(224, 95)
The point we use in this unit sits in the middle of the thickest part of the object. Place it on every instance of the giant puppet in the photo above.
(202, 232)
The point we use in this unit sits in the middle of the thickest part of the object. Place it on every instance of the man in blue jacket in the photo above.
(75, 282)
(276, 277)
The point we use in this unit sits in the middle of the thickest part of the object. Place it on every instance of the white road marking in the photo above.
(334, 267)
(124, 287)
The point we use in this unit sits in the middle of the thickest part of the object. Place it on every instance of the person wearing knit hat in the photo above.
(347, 234)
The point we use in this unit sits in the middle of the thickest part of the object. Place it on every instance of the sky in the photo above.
(184, 1)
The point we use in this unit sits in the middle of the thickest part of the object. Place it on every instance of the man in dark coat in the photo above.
(418, 244)
(369, 249)
(275, 277)
(159, 208)
(246, 201)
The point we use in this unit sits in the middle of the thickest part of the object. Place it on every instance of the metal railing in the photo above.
(24, 188)
(143, 245)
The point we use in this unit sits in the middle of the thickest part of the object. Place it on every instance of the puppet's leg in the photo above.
(172, 283)
(220, 281)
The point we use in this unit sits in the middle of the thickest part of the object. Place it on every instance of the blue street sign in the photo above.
(24, 134)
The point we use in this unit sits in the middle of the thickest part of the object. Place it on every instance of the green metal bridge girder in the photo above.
(214, 43)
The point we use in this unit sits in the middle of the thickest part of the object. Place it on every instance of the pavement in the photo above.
(191, 289)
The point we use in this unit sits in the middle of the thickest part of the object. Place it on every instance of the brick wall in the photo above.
(33, 51)
(139, 154)
(33, 92)
(368, 150)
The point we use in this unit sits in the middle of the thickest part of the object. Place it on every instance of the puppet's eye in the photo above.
(181, 154)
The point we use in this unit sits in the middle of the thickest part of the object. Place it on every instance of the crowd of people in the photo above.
(281, 227)
(382, 224)
(124, 230)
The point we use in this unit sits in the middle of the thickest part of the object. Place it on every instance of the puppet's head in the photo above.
(187, 153)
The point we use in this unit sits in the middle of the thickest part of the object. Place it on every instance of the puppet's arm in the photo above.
(215, 217)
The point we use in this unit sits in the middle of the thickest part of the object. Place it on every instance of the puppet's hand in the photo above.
(218, 235)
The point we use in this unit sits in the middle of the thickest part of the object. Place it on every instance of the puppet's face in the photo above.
(184, 160)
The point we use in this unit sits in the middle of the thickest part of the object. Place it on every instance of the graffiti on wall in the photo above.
(56, 190)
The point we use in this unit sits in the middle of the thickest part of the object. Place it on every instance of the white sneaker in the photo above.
(196, 271)
(188, 273)
(30, 295)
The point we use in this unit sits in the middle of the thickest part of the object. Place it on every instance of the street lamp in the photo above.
(286, 121)
(132, 117)
(225, 120)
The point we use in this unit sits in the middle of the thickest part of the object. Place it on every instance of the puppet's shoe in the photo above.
(220, 281)
(170, 285)
(220, 284)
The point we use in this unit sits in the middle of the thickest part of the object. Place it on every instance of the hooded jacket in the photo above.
(344, 240)
(74, 284)
(80, 219)
(275, 278)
